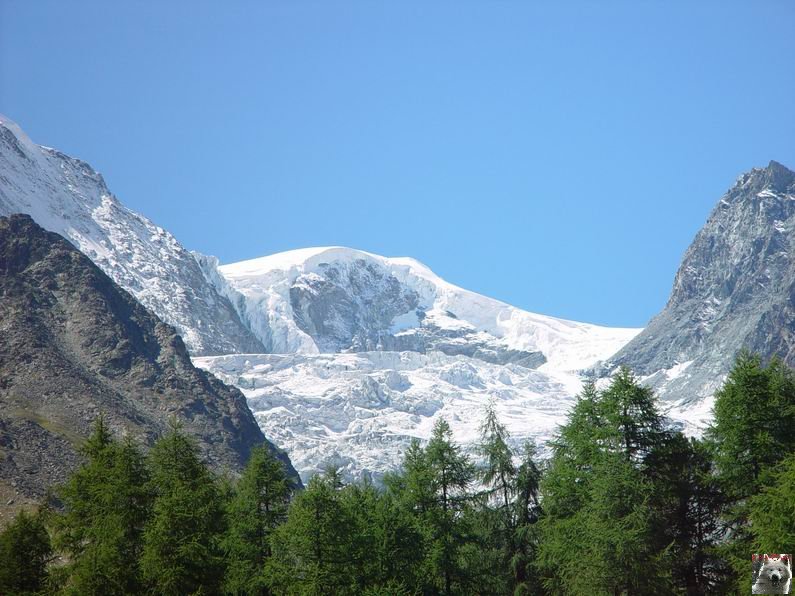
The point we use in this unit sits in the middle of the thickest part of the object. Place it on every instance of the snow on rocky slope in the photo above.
(65, 195)
(734, 289)
(369, 351)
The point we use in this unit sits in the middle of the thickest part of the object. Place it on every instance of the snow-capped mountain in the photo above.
(335, 299)
(65, 195)
(370, 351)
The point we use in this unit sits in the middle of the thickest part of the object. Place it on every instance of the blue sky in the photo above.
(558, 156)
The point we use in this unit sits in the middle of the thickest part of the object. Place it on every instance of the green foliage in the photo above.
(181, 549)
(528, 511)
(752, 428)
(25, 551)
(451, 474)
(311, 550)
(258, 506)
(688, 502)
(751, 433)
(597, 532)
(772, 511)
(106, 504)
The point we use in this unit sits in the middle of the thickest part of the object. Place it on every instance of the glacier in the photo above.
(368, 351)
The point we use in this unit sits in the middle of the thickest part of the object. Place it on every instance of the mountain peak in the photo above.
(775, 177)
(67, 196)
(778, 176)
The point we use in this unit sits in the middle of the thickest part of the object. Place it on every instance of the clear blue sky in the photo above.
(558, 156)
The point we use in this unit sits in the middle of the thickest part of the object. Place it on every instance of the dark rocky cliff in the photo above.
(73, 344)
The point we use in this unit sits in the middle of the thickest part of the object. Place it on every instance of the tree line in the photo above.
(625, 504)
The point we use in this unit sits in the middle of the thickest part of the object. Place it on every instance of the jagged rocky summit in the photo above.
(73, 344)
(735, 289)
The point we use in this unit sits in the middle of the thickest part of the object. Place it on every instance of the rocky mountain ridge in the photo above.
(734, 289)
(65, 195)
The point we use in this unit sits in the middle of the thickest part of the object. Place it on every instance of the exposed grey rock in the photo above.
(349, 306)
(73, 344)
(734, 289)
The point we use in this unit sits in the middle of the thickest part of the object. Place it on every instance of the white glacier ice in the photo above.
(359, 408)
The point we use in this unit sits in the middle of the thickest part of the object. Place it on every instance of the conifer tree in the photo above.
(597, 532)
(527, 513)
(772, 511)
(754, 415)
(106, 504)
(498, 471)
(258, 506)
(688, 502)
(181, 550)
(25, 551)
(312, 549)
(513, 493)
(630, 418)
(452, 474)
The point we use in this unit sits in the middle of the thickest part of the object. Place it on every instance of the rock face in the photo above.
(66, 196)
(734, 289)
(73, 344)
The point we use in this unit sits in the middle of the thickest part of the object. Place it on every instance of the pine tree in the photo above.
(752, 429)
(397, 546)
(25, 551)
(688, 502)
(181, 550)
(598, 529)
(514, 495)
(498, 471)
(384, 546)
(631, 421)
(527, 513)
(311, 550)
(258, 506)
(106, 505)
(772, 511)
(452, 473)
(754, 415)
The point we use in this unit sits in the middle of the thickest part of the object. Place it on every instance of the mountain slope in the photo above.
(370, 351)
(66, 196)
(734, 289)
(72, 345)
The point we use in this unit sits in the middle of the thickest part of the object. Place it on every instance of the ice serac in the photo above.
(66, 196)
(73, 344)
(734, 289)
(369, 351)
